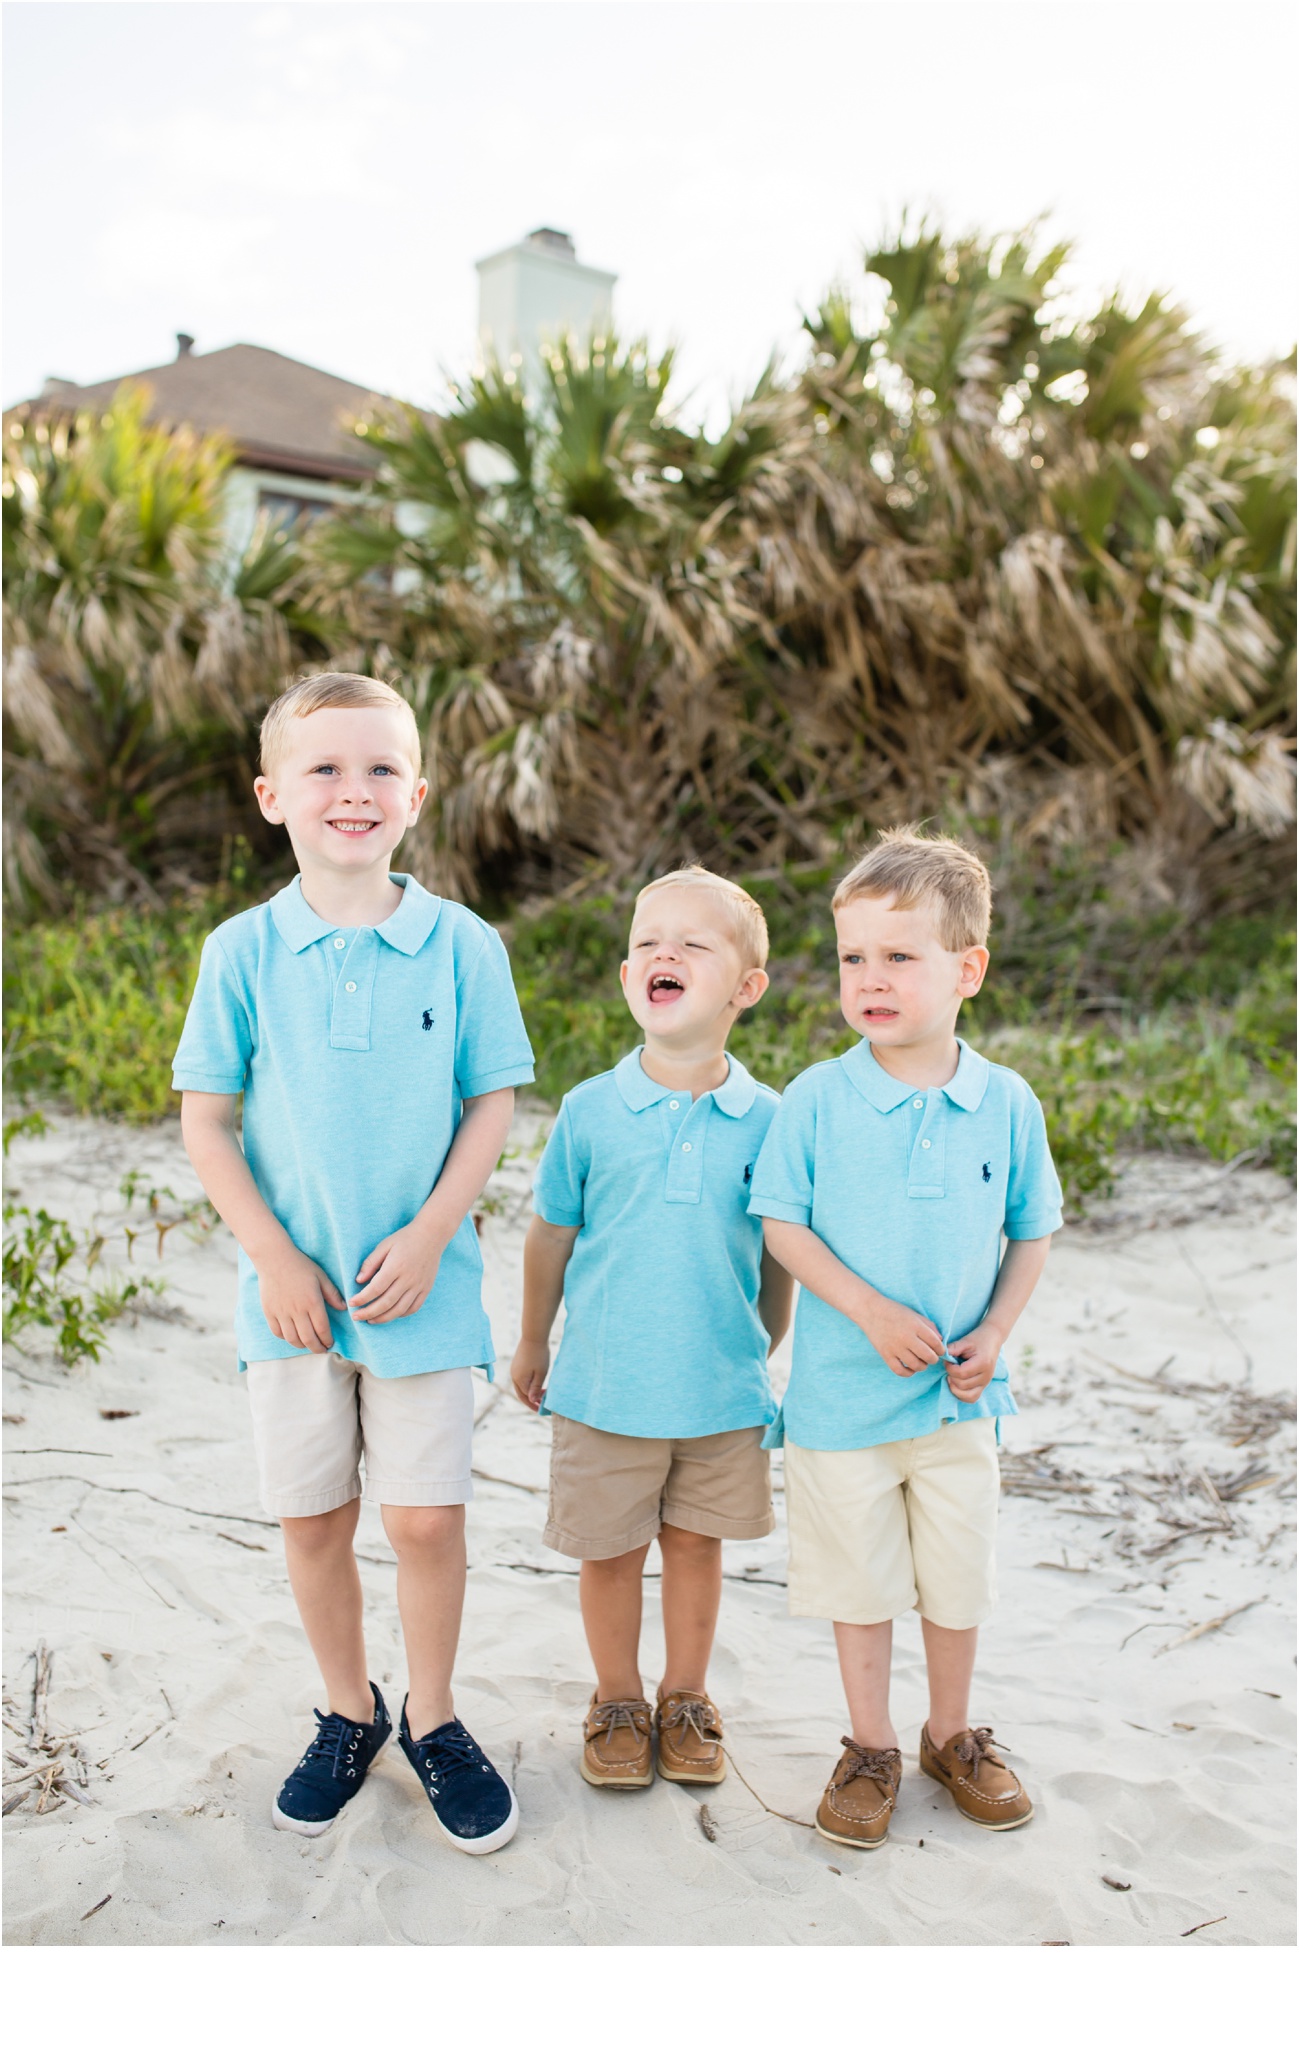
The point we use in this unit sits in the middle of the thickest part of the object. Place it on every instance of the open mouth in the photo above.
(665, 988)
(878, 1014)
(355, 828)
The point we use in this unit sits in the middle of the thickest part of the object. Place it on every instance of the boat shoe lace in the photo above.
(608, 1716)
(698, 1715)
(976, 1747)
(879, 1764)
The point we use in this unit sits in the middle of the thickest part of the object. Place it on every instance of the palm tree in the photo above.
(136, 653)
(977, 552)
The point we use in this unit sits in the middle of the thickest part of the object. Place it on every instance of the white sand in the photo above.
(178, 1666)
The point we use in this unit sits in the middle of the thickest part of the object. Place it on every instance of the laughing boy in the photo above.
(659, 1392)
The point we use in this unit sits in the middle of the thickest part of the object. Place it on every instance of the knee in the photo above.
(313, 1536)
(430, 1533)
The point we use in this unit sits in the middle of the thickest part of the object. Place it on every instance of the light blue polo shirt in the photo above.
(662, 1336)
(912, 1188)
(354, 1049)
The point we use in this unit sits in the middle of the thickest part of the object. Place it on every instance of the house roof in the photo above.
(281, 414)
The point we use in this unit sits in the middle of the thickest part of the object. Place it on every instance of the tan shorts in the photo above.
(315, 1417)
(609, 1494)
(912, 1524)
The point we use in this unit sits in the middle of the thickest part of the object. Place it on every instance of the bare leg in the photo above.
(430, 1547)
(610, 1589)
(865, 1659)
(692, 1592)
(327, 1588)
(949, 1655)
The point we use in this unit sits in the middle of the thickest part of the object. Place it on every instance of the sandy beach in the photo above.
(1140, 1668)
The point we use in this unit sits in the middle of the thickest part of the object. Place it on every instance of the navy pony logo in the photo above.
(748, 1175)
(428, 1026)
(987, 1169)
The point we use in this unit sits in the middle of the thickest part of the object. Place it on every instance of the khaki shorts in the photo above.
(609, 1494)
(316, 1416)
(911, 1524)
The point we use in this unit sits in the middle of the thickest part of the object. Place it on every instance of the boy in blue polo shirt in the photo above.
(887, 1180)
(374, 1034)
(660, 1391)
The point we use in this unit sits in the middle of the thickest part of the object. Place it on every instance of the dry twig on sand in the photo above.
(53, 1767)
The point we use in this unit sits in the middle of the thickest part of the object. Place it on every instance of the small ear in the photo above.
(267, 801)
(417, 797)
(755, 982)
(974, 965)
(623, 967)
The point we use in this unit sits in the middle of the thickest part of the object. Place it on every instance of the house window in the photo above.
(287, 510)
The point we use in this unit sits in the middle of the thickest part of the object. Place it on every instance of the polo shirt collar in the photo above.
(735, 1096)
(406, 930)
(965, 1090)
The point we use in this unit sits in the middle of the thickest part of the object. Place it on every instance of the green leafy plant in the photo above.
(39, 1288)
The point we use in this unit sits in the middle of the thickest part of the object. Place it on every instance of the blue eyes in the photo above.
(328, 768)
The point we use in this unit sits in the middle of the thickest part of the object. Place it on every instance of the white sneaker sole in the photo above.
(483, 1845)
(319, 1827)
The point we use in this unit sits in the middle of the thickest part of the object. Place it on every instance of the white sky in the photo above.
(320, 178)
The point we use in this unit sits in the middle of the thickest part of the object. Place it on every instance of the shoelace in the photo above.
(976, 1747)
(870, 1763)
(695, 1714)
(456, 1751)
(330, 1744)
(611, 1715)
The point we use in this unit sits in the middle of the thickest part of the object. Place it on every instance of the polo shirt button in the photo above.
(687, 1147)
(339, 945)
(924, 1143)
(351, 990)
(919, 1102)
(674, 1105)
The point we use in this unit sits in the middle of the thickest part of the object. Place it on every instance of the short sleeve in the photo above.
(216, 1043)
(782, 1178)
(559, 1190)
(492, 1049)
(1033, 1197)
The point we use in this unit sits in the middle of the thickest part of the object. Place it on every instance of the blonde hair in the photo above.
(940, 873)
(748, 926)
(335, 691)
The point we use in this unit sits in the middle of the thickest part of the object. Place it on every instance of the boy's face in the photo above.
(345, 788)
(898, 984)
(683, 974)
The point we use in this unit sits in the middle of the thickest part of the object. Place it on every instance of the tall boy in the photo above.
(375, 1036)
(659, 1392)
(887, 1180)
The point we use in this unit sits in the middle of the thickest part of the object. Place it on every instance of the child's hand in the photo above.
(294, 1291)
(528, 1372)
(976, 1360)
(398, 1276)
(905, 1340)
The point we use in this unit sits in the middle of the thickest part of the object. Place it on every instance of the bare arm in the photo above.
(546, 1253)
(397, 1278)
(294, 1289)
(905, 1340)
(775, 1297)
(977, 1353)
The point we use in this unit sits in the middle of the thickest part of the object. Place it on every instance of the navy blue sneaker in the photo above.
(472, 1804)
(332, 1771)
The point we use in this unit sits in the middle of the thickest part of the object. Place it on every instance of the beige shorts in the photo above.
(911, 1524)
(609, 1494)
(316, 1416)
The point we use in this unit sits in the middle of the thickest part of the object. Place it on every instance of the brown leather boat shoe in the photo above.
(616, 1749)
(690, 1739)
(985, 1789)
(858, 1802)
